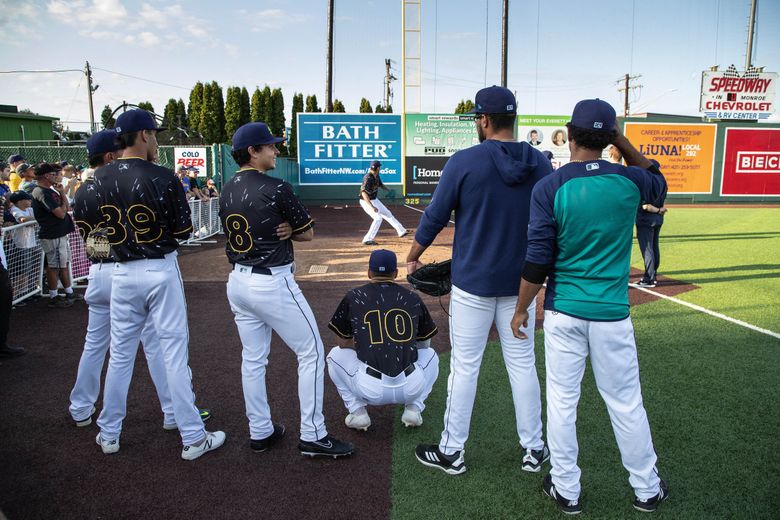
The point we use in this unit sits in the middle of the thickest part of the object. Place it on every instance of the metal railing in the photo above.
(205, 220)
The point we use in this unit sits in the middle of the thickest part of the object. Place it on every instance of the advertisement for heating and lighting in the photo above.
(686, 153)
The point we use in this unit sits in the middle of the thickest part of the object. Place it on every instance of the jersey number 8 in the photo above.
(237, 229)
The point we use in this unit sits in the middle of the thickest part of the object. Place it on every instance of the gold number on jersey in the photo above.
(84, 229)
(142, 221)
(397, 325)
(115, 230)
(237, 228)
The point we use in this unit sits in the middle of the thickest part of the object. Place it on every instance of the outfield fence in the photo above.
(26, 260)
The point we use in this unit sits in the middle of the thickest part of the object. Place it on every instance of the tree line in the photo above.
(211, 118)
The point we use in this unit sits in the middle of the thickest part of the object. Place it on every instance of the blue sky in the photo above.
(559, 51)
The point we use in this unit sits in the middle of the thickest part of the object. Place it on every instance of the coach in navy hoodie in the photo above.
(488, 186)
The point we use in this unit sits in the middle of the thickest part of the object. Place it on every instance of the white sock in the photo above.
(69, 290)
(52, 294)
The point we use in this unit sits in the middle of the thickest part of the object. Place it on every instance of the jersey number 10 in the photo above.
(397, 326)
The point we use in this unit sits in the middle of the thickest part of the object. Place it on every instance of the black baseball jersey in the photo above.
(86, 212)
(46, 200)
(386, 321)
(371, 184)
(251, 206)
(144, 208)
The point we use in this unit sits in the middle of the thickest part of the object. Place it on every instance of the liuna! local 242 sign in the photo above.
(729, 94)
(338, 148)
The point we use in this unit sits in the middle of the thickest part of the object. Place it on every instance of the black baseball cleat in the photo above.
(567, 506)
(651, 504)
(328, 446)
(404, 234)
(7, 351)
(533, 459)
(370, 243)
(430, 455)
(268, 442)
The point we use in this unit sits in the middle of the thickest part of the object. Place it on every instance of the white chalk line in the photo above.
(709, 312)
(686, 304)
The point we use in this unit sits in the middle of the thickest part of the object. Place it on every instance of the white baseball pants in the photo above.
(358, 389)
(567, 342)
(377, 217)
(87, 387)
(264, 303)
(141, 291)
(470, 319)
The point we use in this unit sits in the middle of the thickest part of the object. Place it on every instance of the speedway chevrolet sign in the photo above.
(731, 95)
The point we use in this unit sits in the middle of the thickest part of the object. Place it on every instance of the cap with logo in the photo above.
(376, 164)
(102, 142)
(253, 134)
(495, 100)
(22, 168)
(383, 261)
(134, 121)
(594, 114)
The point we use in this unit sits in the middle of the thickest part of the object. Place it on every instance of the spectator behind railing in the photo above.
(14, 178)
(211, 189)
(6, 299)
(24, 240)
(27, 174)
(4, 176)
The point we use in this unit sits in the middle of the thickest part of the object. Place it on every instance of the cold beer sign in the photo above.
(190, 158)
(339, 148)
(729, 95)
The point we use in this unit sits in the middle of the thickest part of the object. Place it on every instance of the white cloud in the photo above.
(19, 19)
(148, 39)
(88, 15)
(274, 19)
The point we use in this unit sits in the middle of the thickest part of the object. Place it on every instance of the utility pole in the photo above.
(751, 30)
(627, 81)
(388, 78)
(329, 72)
(504, 42)
(90, 91)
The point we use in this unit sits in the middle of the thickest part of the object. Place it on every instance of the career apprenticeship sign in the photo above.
(338, 148)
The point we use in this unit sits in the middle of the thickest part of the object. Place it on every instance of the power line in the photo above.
(140, 79)
(39, 71)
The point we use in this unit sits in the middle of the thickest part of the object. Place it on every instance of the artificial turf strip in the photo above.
(710, 391)
(732, 254)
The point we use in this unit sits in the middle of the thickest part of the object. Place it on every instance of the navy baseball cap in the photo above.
(19, 195)
(494, 100)
(15, 158)
(253, 134)
(376, 164)
(594, 114)
(44, 168)
(383, 261)
(134, 121)
(102, 142)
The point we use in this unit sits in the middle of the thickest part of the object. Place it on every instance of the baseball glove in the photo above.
(97, 245)
(433, 279)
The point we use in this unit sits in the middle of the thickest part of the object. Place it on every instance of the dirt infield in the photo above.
(50, 469)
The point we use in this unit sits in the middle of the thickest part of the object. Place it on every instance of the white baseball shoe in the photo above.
(213, 441)
(358, 421)
(412, 418)
(108, 447)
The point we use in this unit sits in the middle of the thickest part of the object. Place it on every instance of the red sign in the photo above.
(751, 162)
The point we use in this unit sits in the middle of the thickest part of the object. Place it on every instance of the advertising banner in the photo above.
(685, 152)
(338, 148)
(729, 95)
(547, 133)
(751, 162)
(430, 140)
(190, 157)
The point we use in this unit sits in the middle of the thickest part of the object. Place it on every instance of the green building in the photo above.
(20, 128)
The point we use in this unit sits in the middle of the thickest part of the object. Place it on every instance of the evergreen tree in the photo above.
(338, 106)
(276, 121)
(145, 105)
(311, 104)
(257, 109)
(297, 106)
(267, 104)
(365, 106)
(232, 111)
(246, 110)
(106, 119)
(389, 109)
(195, 108)
(169, 115)
(379, 109)
(181, 114)
(464, 106)
(212, 120)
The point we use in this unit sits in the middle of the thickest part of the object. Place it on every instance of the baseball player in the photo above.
(103, 149)
(261, 217)
(585, 257)
(374, 207)
(489, 188)
(144, 212)
(384, 333)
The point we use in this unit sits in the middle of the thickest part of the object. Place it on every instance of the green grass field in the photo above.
(709, 388)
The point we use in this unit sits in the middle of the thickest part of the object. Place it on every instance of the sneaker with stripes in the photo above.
(429, 455)
(533, 459)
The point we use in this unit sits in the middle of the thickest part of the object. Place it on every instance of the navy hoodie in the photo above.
(488, 186)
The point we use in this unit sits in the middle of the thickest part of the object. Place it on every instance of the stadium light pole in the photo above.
(329, 59)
